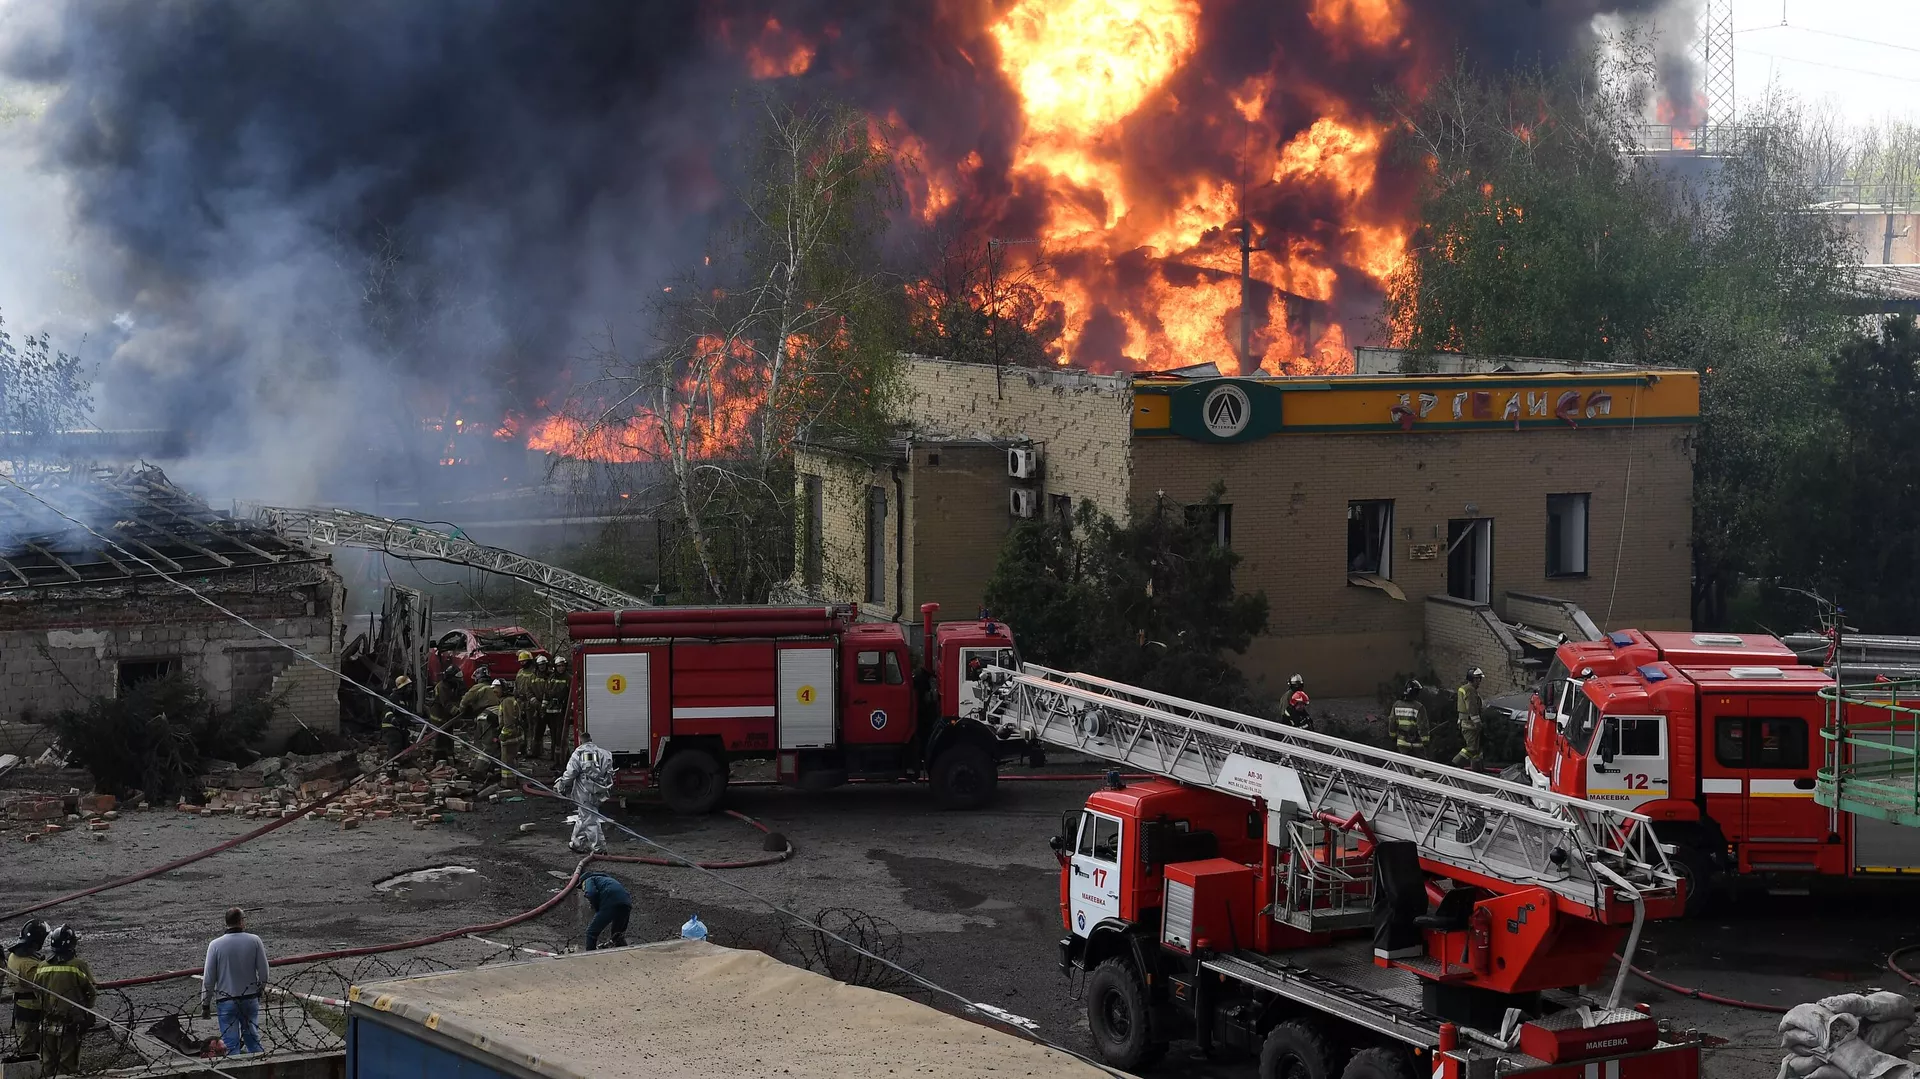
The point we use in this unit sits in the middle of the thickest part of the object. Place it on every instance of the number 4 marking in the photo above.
(1099, 878)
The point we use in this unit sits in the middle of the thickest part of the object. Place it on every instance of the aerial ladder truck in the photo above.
(1337, 910)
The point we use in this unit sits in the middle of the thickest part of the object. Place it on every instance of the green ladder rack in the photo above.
(1872, 764)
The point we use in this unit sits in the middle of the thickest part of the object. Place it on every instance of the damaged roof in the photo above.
(148, 520)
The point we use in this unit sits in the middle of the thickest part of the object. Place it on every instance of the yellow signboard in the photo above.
(1389, 403)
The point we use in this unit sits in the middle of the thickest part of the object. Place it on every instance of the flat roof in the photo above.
(687, 1009)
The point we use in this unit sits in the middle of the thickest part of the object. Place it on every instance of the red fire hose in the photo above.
(1893, 963)
(270, 826)
(1710, 998)
(489, 927)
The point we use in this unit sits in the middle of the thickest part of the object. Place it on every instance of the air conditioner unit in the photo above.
(1021, 502)
(1023, 463)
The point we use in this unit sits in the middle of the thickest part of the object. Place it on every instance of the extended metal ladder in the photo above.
(1586, 852)
(345, 528)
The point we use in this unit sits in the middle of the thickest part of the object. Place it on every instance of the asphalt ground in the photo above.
(968, 900)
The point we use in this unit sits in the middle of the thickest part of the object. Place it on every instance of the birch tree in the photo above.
(785, 331)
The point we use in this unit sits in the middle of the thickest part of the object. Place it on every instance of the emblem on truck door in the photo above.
(878, 719)
(804, 695)
(616, 684)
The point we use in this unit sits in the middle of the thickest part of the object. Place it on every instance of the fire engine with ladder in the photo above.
(1338, 910)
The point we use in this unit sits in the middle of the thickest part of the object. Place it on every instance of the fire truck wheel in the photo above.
(1379, 1062)
(1118, 1018)
(1296, 1050)
(963, 776)
(692, 782)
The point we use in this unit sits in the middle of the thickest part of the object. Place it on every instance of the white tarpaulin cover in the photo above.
(688, 1009)
(1850, 1036)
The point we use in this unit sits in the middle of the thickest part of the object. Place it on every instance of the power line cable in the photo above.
(988, 1011)
(1829, 33)
(1834, 67)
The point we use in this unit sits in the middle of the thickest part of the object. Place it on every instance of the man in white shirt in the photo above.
(234, 979)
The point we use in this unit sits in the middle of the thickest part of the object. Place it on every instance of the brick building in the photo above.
(1397, 522)
(80, 617)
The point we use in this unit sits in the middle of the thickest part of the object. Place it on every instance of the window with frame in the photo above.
(1761, 742)
(1631, 736)
(866, 668)
(1217, 519)
(1370, 537)
(1060, 507)
(876, 545)
(132, 672)
(1106, 839)
(814, 536)
(1567, 535)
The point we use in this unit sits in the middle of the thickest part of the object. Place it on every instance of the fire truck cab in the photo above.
(679, 694)
(1716, 738)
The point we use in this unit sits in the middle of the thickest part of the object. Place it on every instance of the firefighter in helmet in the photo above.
(557, 696)
(23, 958)
(444, 705)
(486, 733)
(1297, 701)
(1467, 709)
(1409, 721)
(67, 995)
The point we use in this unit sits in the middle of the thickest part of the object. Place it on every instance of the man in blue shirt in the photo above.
(612, 906)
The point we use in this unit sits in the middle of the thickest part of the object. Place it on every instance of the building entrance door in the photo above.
(1470, 559)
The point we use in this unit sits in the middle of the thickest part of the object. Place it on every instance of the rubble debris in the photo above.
(30, 809)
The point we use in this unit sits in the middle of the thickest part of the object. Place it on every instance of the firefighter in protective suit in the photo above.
(23, 958)
(67, 996)
(1297, 701)
(1467, 709)
(588, 780)
(1408, 721)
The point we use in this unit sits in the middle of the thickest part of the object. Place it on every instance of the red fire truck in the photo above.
(1716, 738)
(678, 693)
(1336, 910)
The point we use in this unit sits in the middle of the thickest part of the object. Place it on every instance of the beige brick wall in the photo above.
(1554, 615)
(957, 522)
(844, 480)
(1083, 423)
(1290, 494)
(1462, 635)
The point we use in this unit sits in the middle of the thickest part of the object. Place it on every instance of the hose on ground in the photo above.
(552, 901)
(316, 806)
(1701, 994)
(1893, 963)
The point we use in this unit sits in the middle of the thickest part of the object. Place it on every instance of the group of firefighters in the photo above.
(53, 995)
(1408, 721)
(503, 719)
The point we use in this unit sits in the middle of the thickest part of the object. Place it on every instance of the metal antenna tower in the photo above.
(1715, 47)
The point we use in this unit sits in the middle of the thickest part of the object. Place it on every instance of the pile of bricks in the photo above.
(417, 795)
(51, 814)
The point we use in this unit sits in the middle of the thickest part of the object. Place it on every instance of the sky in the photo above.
(1862, 56)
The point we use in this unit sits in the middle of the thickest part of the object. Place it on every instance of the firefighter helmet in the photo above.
(525, 656)
(33, 935)
(63, 942)
(1474, 674)
(559, 661)
(541, 660)
(1296, 682)
(401, 682)
(1413, 689)
(481, 674)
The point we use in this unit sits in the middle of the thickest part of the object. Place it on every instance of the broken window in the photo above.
(876, 545)
(1061, 507)
(1217, 519)
(1370, 537)
(1567, 535)
(132, 672)
(815, 531)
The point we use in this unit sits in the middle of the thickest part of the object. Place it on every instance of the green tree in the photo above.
(1853, 530)
(785, 331)
(1544, 233)
(1151, 602)
(43, 391)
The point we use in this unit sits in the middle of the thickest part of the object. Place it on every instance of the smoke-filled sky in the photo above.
(296, 228)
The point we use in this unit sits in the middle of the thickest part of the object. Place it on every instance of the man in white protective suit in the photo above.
(587, 780)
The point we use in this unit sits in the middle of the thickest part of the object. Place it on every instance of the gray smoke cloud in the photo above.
(294, 229)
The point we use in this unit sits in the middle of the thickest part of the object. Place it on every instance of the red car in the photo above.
(498, 650)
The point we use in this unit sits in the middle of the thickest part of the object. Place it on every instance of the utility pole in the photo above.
(1715, 48)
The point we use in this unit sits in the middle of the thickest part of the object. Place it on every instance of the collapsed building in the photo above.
(87, 609)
